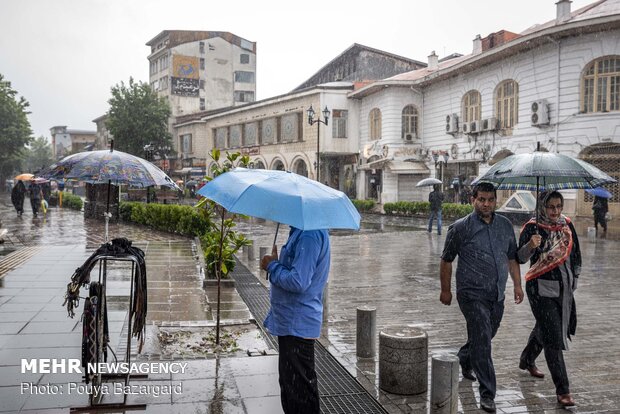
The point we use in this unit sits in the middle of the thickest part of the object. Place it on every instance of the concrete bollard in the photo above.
(366, 332)
(444, 384)
(250, 250)
(591, 233)
(403, 360)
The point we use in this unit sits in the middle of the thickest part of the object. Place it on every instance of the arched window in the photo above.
(471, 106)
(507, 103)
(409, 123)
(374, 122)
(601, 85)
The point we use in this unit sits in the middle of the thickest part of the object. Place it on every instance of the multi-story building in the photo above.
(275, 131)
(555, 83)
(69, 141)
(200, 71)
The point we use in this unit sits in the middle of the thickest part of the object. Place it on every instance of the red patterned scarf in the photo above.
(555, 250)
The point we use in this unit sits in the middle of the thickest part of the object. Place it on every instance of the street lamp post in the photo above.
(148, 154)
(318, 121)
(441, 162)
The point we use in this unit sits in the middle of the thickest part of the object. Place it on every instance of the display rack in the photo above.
(94, 398)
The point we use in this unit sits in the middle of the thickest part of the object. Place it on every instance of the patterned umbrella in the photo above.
(108, 166)
(543, 171)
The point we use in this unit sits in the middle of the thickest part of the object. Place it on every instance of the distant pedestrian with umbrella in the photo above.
(18, 193)
(600, 208)
(435, 199)
(552, 247)
(36, 195)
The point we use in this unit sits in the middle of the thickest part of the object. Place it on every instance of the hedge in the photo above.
(414, 208)
(71, 201)
(364, 205)
(172, 218)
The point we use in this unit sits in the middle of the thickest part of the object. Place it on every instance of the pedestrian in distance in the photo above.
(36, 195)
(486, 246)
(436, 199)
(298, 277)
(552, 247)
(600, 209)
(18, 193)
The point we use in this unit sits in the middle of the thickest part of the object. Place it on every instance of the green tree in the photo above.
(15, 132)
(138, 117)
(38, 155)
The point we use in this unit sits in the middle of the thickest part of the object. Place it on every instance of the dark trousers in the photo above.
(554, 357)
(483, 318)
(299, 391)
(600, 219)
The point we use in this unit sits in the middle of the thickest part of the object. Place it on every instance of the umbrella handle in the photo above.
(274, 243)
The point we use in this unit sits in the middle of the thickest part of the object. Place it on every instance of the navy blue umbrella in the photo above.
(599, 192)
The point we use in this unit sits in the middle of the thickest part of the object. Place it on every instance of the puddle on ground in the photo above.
(200, 342)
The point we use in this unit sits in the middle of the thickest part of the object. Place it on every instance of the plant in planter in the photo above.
(220, 241)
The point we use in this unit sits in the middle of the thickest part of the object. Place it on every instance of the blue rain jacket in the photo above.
(297, 281)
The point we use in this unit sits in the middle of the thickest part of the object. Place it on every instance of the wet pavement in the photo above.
(391, 264)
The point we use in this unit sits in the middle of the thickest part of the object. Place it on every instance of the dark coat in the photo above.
(548, 310)
(17, 196)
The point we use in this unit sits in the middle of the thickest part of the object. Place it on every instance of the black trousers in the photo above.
(554, 357)
(600, 219)
(483, 318)
(299, 391)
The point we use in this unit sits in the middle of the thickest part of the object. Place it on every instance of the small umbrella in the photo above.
(283, 197)
(191, 183)
(543, 171)
(427, 182)
(599, 192)
(39, 180)
(24, 177)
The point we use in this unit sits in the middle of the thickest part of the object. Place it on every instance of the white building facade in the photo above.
(556, 84)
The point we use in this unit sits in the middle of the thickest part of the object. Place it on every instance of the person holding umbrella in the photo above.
(17, 196)
(298, 277)
(600, 209)
(552, 247)
(435, 198)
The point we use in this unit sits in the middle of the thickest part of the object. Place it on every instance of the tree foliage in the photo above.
(15, 132)
(38, 155)
(138, 117)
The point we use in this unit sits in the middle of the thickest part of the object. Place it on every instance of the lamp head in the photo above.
(326, 114)
(310, 112)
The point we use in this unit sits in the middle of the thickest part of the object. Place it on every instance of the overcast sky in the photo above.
(63, 56)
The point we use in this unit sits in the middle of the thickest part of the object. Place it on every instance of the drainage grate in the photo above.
(340, 392)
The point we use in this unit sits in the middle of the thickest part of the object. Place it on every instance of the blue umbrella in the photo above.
(283, 197)
(599, 192)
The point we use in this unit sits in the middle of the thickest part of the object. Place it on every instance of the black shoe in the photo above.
(468, 374)
(487, 405)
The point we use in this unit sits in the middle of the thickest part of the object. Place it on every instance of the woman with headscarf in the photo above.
(552, 247)
(17, 196)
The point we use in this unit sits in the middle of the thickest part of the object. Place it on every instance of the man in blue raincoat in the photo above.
(298, 278)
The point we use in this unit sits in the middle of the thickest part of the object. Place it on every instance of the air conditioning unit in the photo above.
(410, 137)
(466, 127)
(452, 124)
(540, 113)
(474, 127)
(489, 124)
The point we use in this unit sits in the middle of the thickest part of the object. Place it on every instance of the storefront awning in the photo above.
(375, 164)
(408, 167)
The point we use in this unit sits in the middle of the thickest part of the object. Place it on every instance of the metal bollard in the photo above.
(366, 332)
(444, 384)
(250, 250)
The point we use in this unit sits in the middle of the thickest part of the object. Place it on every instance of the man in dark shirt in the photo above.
(487, 249)
(436, 199)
